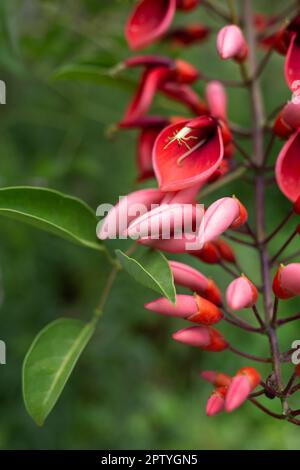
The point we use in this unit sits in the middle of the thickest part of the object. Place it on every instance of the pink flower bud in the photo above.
(218, 379)
(192, 308)
(217, 100)
(216, 402)
(203, 337)
(245, 381)
(286, 283)
(231, 43)
(191, 278)
(241, 293)
(129, 207)
(166, 220)
(221, 215)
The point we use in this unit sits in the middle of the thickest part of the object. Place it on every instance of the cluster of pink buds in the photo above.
(188, 157)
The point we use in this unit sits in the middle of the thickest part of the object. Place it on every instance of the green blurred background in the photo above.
(133, 387)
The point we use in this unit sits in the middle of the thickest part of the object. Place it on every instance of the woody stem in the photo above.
(258, 152)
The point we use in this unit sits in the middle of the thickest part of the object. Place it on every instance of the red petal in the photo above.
(144, 153)
(292, 64)
(145, 93)
(186, 95)
(287, 168)
(149, 21)
(199, 163)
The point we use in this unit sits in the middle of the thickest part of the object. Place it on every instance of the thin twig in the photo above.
(250, 356)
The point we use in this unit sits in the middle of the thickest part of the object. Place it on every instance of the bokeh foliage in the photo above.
(133, 387)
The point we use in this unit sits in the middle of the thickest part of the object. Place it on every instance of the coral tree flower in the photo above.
(189, 277)
(286, 283)
(158, 71)
(242, 384)
(131, 206)
(166, 220)
(231, 43)
(287, 170)
(241, 293)
(192, 308)
(222, 214)
(203, 337)
(149, 21)
(187, 153)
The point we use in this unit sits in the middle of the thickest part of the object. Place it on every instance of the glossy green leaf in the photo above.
(52, 211)
(152, 270)
(92, 74)
(49, 363)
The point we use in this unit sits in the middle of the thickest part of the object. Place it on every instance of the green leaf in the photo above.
(152, 270)
(92, 74)
(52, 211)
(49, 363)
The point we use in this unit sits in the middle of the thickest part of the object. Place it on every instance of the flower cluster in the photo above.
(185, 156)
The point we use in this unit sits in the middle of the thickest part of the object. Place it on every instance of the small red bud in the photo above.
(187, 4)
(209, 253)
(297, 370)
(185, 72)
(242, 218)
(208, 313)
(213, 293)
(225, 250)
(252, 375)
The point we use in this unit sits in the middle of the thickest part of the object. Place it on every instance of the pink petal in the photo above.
(217, 100)
(185, 306)
(193, 336)
(129, 207)
(189, 277)
(149, 21)
(215, 404)
(188, 243)
(231, 42)
(292, 64)
(166, 219)
(184, 196)
(290, 278)
(238, 392)
(218, 217)
(239, 294)
(287, 168)
(200, 161)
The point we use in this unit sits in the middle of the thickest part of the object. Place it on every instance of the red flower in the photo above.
(149, 21)
(158, 72)
(187, 153)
